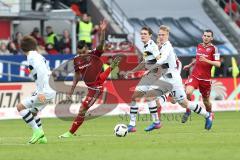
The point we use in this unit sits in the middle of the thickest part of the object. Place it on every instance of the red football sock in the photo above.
(159, 111)
(77, 123)
(188, 110)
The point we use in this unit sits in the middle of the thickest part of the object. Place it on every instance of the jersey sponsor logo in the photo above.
(84, 66)
(201, 54)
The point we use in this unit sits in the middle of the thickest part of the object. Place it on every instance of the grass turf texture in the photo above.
(96, 141)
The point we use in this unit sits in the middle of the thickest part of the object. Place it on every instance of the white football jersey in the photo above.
(150, 52)
(40, 72)
(168, 56)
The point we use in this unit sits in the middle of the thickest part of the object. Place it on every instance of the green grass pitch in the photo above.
(95, 140)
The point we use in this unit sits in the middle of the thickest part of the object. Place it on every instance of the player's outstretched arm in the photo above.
(187, 67)
(139, 67)
(102, 27)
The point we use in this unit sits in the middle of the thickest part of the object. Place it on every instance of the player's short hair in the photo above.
(28, 43)
(81, 44)
(147, 29)
(164, 28)
(209, 31)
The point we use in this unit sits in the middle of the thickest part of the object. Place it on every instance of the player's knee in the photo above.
(183, 102)
(206, 102)
(20, 107)
(188, 93)
(150, 97)
(34, 114)
(136, 98)
(173, 101)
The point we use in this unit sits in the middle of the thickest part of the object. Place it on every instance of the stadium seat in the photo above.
(179, 33)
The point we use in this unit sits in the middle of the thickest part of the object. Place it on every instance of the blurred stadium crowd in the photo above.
(57, 43)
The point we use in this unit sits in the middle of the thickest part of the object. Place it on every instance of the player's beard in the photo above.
(207, 42)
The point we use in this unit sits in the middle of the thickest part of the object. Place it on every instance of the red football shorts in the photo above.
(203, 86)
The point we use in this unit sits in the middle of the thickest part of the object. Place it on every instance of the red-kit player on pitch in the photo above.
(88, 68)
(200, 78)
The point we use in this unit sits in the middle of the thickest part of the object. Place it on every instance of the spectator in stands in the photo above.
(65, 42)
(85, 29)
(3, 49)
(40, 41)
(36, 34)
(17, 39)
(231, 7)
(12, 48)
(52, 41)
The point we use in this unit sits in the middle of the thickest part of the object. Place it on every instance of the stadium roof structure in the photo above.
(63, 14)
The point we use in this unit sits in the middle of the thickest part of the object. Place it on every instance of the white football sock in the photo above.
(133, 113)
(28, 118)
(38, 121)
(152, 105)
(198, 109)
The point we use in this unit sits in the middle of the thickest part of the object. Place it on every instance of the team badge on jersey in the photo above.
(208, 49)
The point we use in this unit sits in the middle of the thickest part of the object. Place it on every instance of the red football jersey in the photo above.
(90, 67)
(202, 70)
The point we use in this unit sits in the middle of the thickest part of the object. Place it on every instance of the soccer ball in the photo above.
(120, 130)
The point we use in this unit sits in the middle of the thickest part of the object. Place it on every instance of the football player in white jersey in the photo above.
(150, 52)
(163, 98)
(43, 94)
(167, 57)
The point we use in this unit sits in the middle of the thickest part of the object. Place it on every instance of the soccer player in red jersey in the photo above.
(200, 78)
(88, 67)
